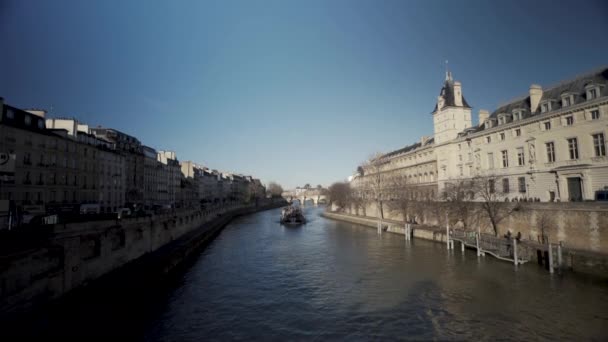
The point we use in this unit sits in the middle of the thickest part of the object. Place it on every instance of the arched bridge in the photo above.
(317, 196)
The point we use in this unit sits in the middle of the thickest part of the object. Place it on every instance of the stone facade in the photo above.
(57, 167)
(549, 145)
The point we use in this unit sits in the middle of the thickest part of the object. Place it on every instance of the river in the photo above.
(334, 280)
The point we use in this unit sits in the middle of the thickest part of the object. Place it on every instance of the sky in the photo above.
(289, 91)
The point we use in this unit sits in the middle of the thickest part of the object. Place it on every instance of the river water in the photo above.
(335, 280)
(331, 280)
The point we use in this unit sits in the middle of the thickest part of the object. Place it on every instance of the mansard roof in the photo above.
(576, 86)
(447, 92)
(410, 148)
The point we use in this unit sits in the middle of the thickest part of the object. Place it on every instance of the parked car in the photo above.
(123, 212)
(90, 208)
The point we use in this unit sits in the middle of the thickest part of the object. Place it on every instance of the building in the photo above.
(59, 167)
(132, 149)
(549, 145)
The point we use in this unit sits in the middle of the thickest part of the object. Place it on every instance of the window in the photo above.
(28, 120)
(550, 152)
(41, 124)
(490, 160)
(505, 185)
(518, 132)
(566, 101)
(573, 148)
(10, 114)
(544, 107)
(547, 125)
(599, 145)
(505, 158)
(461, 173)
(595, 114)
(569, 120)
(520, 156)
(522, 184)
(502, 136)
(491, 185)
(460, 157)
(488, 139)
(592, 94)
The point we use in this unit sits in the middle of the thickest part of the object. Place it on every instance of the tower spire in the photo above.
(448, 74)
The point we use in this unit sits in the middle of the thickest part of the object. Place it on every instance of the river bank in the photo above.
(97, 254)
(582, 262)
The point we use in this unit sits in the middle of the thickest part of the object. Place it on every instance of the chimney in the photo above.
(536, 92)
(457, 94)
(423, 140)
(483, 116)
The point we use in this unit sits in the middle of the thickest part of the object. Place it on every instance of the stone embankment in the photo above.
(573, 260)
(73, 256)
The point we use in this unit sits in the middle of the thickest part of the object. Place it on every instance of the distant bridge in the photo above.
(317, 196)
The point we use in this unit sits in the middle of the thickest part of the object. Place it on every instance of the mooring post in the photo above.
(447, 235)
(559, 254)
(379, 227)
(550, 258)
(462, 246)
(477, 243)
(515, 251)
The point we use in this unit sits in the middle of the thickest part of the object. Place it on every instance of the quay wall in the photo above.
(578, 225)
(579, 261)
(77, 254)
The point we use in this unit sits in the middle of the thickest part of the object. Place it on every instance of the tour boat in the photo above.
(292, 216)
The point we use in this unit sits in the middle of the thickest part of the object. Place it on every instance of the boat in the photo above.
(292, 216)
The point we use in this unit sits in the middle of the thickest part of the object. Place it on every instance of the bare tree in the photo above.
(458, 196)
(402, 195)
(340, 195)
(274, 189)
(375, 180)
(544, 221)
(493, 200)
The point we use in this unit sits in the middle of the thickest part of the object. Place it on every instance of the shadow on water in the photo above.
(332, 280)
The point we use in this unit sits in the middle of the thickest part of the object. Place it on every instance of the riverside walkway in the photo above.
(506, 249)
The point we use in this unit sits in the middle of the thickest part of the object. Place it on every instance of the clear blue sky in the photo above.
(292, 91)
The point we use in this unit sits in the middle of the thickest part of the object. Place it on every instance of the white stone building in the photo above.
(548, 145)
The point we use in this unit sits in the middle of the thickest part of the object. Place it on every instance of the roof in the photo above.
(447, 92)
(409, 148)
(575, 86)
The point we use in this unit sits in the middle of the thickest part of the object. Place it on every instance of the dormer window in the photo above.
(28, 120)
(504, 118)
(545, 107)
(10, 114)
(567, 100)
(518, 115)
(593, 91)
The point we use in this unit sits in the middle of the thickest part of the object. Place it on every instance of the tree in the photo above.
(492, 201)
(274, 189)
(307, 186)
(319, 187)
(402, 196)
(459, 196)
(340, 194)
(375, 179)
